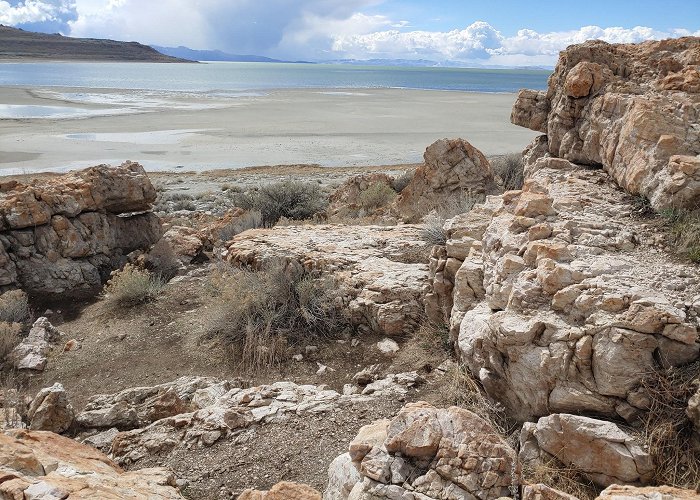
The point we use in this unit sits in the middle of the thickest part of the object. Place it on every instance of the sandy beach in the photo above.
(202, 131)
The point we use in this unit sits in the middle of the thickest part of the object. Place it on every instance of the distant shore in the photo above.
(197, 132)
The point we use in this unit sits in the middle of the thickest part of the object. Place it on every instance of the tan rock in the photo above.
(618, 492)
(544, 492)
(629, 108)
(282, 491)
(346, 200)
(451, 167)
(51, 410)
(367, 438)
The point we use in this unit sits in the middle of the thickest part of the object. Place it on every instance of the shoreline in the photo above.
(198, 131)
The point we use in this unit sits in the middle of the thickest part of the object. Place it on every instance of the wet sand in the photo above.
(169, 131)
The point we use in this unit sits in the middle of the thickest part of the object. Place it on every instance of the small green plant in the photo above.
(509, 171)
(131, 286)
(290, 199)
(14, 307)
(377, 195)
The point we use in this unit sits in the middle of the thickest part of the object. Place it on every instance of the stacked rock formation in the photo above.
(632, 108)
(65, 234)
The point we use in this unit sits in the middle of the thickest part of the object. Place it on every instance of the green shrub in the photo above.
(14, 307)
(131, 286)
(509, 171)
(376, 195)
(258, 312)
(290, 199)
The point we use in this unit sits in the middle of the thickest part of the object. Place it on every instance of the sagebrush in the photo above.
(403, 180)
(509, 171)
(377, 195)
(291, 199)
(14, 307)
(433, 223)
(132, 285)
(258, 312)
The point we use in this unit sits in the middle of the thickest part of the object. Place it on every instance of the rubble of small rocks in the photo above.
(65, 234)
(44, 465)
(425, 453)
(451, 167)
(556, 302)
(32, 352)
(632, 108)
(384, 293)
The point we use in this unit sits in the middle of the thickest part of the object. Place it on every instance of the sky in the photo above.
(491, 32)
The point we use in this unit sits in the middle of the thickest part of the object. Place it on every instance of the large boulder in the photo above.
(51, 410)
(452, 167)
(375, 265)
(630, 108)
(44, 465)
(426, 452)
(600, 450)
(66, 233)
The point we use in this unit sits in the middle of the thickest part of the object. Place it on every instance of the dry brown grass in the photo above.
(132, 286)
(14, 307)
(9, 338)
(564, 478)
(426, 348)
(667, 432)
(509, 171)
(433, 223)
(257, 313)
(684, 231)
(12, 401)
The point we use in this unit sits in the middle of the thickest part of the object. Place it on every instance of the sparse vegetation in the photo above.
(14, 307)
(684, 230)
(291, 199)
(259, 312)
(131, 286)
(252, 219)
(377, 195)
(9, 338)
(403, 180)
(562, 477)
(11, 401)
(667, 432)
(509, 171)
(433, 223)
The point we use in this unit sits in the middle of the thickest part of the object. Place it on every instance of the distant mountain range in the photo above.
(17, 44)
(215, 55)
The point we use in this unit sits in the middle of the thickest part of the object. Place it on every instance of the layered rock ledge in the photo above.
(66, 234)
(632, 108)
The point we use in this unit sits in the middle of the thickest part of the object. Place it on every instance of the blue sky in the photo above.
(496, 32)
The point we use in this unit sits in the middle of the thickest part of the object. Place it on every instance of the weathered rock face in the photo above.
(618, 492)
(44, 465)
(557, 305)
(31, 353)
(631, 108)
(425, 452)
(51, 410)
(384, 292)
(66, 234)
(452, 166)
(600, 450)
(282, 491)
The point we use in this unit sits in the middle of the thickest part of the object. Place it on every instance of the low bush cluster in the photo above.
(14, 307)
(377, 195)
(684, 229)
(259, 312)
(290, 199)
(509, 171)
(433, 223)
(131, 286)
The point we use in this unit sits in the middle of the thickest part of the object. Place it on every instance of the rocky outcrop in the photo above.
(32, 352)
(618, 492)
(44, 465)
(383, 291)
(65, 234)
(425, 453)
(451, 168)
(51, 410)
(558, 302)
(630, 108)
(282, 491)
(600, 450)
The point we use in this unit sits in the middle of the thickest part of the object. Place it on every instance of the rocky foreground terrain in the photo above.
(473, 329)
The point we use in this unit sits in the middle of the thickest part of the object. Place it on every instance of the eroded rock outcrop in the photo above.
(44, 465)
(384, 292)
(32, 352)
(451, 167)
(426, 453)
(65, 234)
(600, 450)
(632, 108)
(556, 303)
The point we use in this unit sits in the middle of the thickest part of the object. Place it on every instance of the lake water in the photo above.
(240, 77)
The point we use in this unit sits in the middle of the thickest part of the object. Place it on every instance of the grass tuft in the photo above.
(433, 223)
(132, 286)
(509, 171)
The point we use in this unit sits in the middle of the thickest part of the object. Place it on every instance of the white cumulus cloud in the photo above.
(34, 11)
